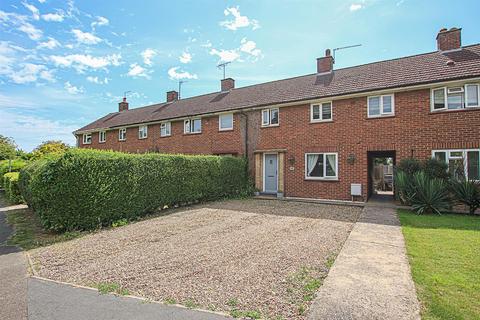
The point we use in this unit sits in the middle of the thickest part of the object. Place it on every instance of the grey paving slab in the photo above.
(55, 301)
(371, 276)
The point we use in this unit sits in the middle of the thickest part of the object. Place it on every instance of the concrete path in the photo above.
(371, 276)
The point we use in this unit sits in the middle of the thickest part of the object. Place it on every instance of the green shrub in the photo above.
(431, 195)
(26, 176)
(466, 192)
(12, 192)
(435, 168)
(86, 189)
(404, 187)
(409, 166)
(16, 165)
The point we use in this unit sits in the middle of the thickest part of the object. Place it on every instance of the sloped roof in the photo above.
(419, 69)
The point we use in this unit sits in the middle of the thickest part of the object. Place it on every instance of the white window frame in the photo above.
(191, 126)
(122, 131)
(269, 123)
(445, 94)
(464, 156)
(142, 132)
(100, 134)
(382, 113)
(168, 129)
(87, 138)
(320, 107)
(220, 122)
(325, 177)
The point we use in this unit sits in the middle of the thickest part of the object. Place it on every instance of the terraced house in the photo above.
(319, 135)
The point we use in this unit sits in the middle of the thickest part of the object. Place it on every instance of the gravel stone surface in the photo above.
(244, 255)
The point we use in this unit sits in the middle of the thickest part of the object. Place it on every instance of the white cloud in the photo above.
(355, 7)
(226, 55)
(97, 80)
(72, 89)
(178, 75)
(250, 47)
(147, 56)
(50, 44)
(41, 1)
(55, 17)
(101, 21)
(30, 73)
(35, 12)
(137, 70)
(185, 57)
(32, 32)
(85, 37)
(239, 21)
(47, 75)
(207, 44)
(81, 62)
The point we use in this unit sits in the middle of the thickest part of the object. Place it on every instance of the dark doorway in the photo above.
(380, 174)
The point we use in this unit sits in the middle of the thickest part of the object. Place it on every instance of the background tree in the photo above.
(7, 148)
(49, 147)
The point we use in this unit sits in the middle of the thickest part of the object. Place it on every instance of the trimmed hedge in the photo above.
(12, 192)
(17, 165)
(87, 189)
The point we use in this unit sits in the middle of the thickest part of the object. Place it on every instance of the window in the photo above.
(461, 163)
(225, 121)
(270, 117)
(102, 136)
(454, 98)
(321, 112)
(165, 129)
(122, 134)
(142, 132)
(193, 126)
(321, 166)
(87, 138)
(379, 106)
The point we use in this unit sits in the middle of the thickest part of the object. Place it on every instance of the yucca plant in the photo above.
(431, 195)
(404, 187)
(466, 192)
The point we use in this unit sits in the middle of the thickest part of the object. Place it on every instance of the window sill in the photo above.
(166, 136)
(321, 121)
(322, 179)
(101, 141)
(191, 133)
(86, 144)
(380, 117)
(440, 111)
(269, 126)
(142, 138)
(225, 130)
(122, 140)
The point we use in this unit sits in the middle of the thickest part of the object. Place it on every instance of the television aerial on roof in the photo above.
(342, 48)
(223, 65)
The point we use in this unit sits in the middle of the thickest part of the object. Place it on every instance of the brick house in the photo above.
(318, 135)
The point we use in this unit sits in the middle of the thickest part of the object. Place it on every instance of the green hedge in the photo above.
(16, 164)
(86, 189)
(12, 192)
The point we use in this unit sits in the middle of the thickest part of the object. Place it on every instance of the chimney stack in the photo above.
(227, 84)
(123, 106)
(172, 96)
(325, 64)
(449, 39)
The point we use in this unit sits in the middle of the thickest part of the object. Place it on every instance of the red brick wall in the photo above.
(413, 130)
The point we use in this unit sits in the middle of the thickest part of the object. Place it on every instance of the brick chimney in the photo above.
(227, 84)
(325, 64)
(172, 96)
(449, 39)
(123, 106)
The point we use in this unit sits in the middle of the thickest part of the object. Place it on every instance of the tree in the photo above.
(7, 148)
(49, 147)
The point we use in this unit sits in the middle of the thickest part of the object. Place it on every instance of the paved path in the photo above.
(371, 276)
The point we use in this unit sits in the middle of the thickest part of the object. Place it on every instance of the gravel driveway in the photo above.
(240, 256)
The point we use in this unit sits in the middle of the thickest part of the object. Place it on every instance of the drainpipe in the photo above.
(245, 116)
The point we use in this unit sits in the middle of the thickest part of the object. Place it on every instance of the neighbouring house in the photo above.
(319, 135)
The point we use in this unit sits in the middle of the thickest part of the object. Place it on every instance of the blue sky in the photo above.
(65, 63)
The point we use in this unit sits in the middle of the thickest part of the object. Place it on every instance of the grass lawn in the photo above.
(444, 253)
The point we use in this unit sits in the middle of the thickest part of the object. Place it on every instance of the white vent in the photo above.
(455, 90)
(356, 189)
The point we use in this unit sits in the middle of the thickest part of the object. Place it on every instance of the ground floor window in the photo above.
(165, 129)
(462, 163)
(87, 138)
(102, 136)
(321, 166)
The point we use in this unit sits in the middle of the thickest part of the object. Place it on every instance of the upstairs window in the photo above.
(193, 126)
(321, 166)
(455, 98)
(225, 121)
(122, 134)
(461, 163)
(321, 112)
(270, 117)
(102, 136)
(165, 129)
(380, 106)
(142, 132)
(87, 138)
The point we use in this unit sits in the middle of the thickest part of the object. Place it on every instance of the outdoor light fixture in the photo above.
(351, 158)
